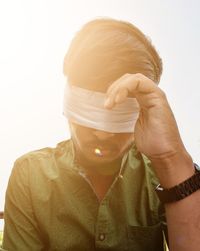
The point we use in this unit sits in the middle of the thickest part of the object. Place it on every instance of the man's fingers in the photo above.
(109, 103)
(135, 84)
(121, 96)
(117, 92)
(117, 84)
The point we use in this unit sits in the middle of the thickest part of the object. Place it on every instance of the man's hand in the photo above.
(156, 132)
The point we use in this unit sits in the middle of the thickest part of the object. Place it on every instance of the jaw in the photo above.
(98, 166)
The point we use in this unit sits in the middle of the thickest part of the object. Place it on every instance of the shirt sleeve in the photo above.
(21, 231)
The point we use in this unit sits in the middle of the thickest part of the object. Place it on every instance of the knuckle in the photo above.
(139, 75)
(126, 75)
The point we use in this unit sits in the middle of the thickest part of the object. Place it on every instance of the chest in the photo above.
(117, 217)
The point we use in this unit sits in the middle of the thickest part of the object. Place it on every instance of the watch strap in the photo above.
(181, 190)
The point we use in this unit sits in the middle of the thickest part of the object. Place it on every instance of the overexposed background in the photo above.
(34, 36)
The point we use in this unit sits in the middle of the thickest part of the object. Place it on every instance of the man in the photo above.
(97, 190)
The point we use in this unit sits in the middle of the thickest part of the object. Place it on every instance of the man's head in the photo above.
(101, 52)
(105, 49)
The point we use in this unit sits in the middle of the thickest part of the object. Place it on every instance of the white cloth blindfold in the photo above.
(86, 108)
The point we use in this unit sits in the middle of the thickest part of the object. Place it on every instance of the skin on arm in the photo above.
(157, 136)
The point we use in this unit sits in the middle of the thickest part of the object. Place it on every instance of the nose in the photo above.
(101, 135)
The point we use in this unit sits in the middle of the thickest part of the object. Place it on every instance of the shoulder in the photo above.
(45, 153)
(41, 161)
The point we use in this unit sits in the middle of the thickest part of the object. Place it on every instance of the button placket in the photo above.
(102, 226)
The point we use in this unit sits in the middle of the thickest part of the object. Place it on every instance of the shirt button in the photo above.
(101, 237)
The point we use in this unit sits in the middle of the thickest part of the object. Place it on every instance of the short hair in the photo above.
(105, 49)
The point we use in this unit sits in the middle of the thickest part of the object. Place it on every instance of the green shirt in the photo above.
(51, 206)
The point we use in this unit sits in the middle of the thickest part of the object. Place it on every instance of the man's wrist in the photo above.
(174, 169)
(180, 191)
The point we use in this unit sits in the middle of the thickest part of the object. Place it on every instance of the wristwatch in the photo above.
(181, 190)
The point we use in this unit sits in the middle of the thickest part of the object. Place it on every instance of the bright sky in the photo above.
(34, 38)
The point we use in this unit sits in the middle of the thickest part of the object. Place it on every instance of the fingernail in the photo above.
(108, 103)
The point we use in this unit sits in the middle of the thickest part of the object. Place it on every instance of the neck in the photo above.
(92, 167)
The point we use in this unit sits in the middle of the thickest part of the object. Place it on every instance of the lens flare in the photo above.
(98, 152)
